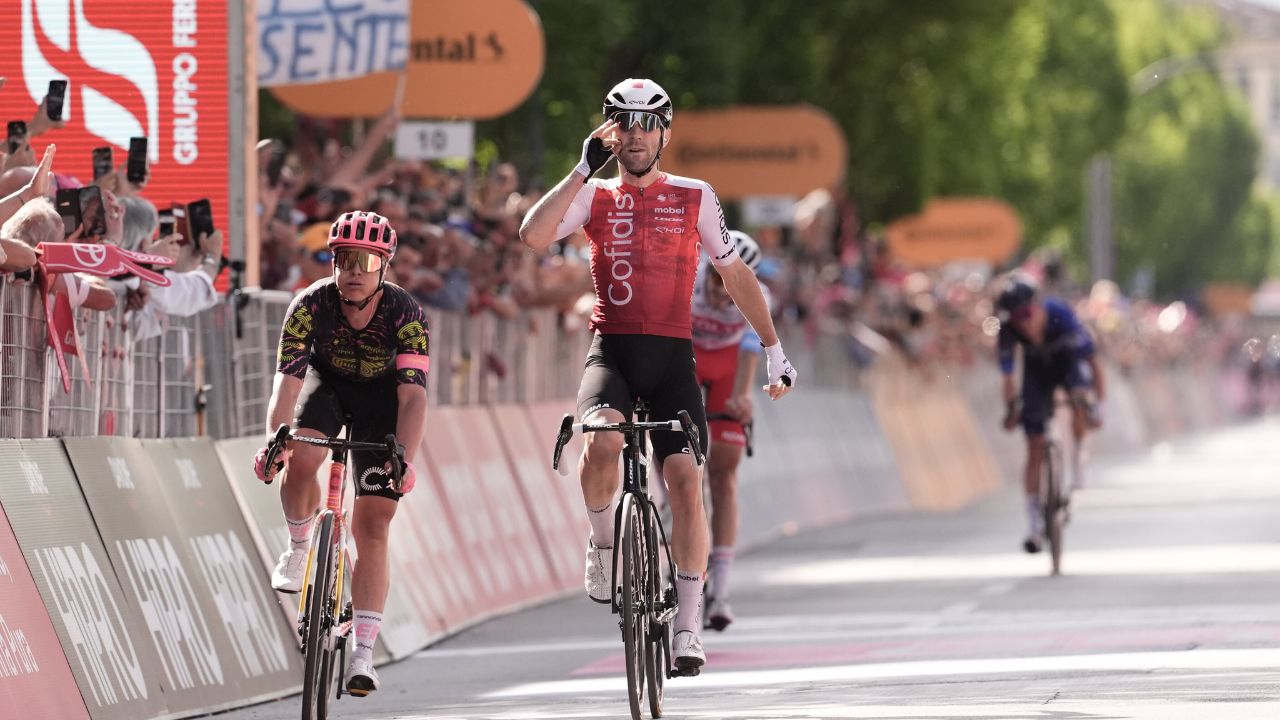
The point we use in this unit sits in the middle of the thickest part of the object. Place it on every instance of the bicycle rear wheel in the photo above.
(1054, 519)
(657, 657)
(317, 675)
(633, 622)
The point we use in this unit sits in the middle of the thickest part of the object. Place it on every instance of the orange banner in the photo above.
(468, 60)
(953, 229)
(745, 151)
(1224, 299)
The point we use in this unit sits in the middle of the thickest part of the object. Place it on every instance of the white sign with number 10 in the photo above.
(430, 140)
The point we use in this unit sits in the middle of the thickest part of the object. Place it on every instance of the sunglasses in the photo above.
(358, 259)
(627, 120)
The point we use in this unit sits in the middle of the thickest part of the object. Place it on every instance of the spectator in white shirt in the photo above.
(191, 277)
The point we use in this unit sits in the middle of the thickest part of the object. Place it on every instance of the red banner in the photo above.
(143, 68)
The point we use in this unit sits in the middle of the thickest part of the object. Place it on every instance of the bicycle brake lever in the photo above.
(562, 439)
(691, 436)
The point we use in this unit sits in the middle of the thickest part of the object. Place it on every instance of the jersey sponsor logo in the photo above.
(678, 230)
(669, 210)
(669, 219)
(622, 226)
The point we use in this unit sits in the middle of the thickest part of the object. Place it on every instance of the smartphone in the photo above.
(275, 165)
(200, 218)
(167, 223)
(136, 170)
(92, 212)
(102, 162)
(54, 99)
(17, 135)
(179, 212)
(67, 203)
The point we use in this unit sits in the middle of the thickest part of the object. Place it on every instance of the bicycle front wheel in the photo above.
(657, 658)
(318, 669)
(1054, 516)
(633, 623)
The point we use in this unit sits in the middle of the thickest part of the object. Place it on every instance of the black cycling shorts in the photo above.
(659, 370)
(373, 406)
(1039, 381)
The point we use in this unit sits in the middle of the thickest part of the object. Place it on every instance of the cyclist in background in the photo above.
(646, 228)
(727, 351)
(1057, 351)
(352, 345)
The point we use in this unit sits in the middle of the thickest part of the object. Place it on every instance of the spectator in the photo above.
(190, 288)
(38, 222)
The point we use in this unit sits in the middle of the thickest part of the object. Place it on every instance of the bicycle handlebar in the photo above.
(682, 423)
(389, 445)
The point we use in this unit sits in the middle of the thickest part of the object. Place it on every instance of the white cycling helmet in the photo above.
(638, 95)
(748, 249)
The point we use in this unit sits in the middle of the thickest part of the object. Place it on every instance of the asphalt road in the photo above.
(1169, 610)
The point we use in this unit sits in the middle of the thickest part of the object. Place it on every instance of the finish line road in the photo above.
(1169, 609)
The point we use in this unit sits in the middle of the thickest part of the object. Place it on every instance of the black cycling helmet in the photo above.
(1017, 292)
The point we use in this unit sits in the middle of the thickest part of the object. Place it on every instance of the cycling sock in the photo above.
(1033, 514)
(300, 532)
(601, 525)
(718, 571)
(1079, 457)
(367, 625)
(689, 595)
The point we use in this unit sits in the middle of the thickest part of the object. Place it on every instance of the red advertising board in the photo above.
(153, 68)
(30, 654)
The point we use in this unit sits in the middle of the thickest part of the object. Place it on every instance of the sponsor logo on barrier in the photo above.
(34, 478)
(187, 470)
(120, 471)
(95, 627)
(241, 603)
(168, 606)
(16, 657)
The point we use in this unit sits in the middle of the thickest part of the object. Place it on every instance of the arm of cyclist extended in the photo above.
(412, 418)
(745, 291)
(284, 396)
(565, 209)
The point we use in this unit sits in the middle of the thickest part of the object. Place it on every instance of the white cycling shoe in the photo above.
(287, 577)
(719, 615)
(687, 649)
(599, 568)
(362, 678)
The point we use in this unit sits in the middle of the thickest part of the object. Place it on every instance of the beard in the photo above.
(635, 163)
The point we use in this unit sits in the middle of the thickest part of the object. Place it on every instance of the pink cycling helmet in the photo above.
(359, 230)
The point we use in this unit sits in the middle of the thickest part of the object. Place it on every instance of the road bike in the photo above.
(644, 594)
(324, 605)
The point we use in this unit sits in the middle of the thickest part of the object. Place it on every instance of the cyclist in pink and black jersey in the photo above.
(647, 230)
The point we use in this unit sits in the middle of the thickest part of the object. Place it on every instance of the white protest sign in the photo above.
(312, 41)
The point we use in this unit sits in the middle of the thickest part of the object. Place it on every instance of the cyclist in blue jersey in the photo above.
(1057, 351)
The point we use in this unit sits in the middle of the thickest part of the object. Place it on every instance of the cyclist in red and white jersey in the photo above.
(647, 229)
(727, 351)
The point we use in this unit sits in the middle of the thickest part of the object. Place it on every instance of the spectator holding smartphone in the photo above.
(190, 290)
